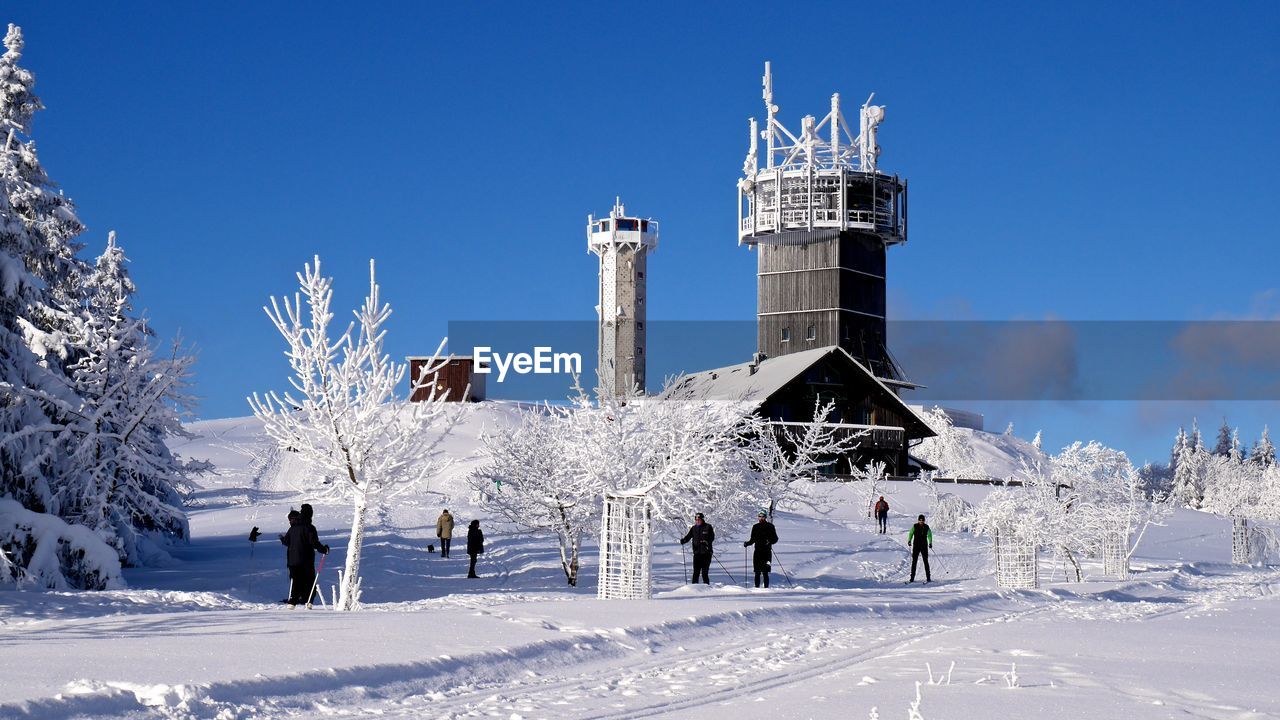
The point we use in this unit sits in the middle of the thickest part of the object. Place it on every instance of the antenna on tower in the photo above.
(770, 110)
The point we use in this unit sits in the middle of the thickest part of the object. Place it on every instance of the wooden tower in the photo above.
(822, 217)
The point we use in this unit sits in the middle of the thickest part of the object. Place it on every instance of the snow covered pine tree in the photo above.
(84, 404)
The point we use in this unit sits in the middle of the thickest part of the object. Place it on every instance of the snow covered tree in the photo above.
(1225, 443)
(533, 479)
(344, 416)
(1189, 474)
(38, 273)
(551, 470)
(1195, 440)
(1175, 453)
(947, 511)
(1232, 488)
(126, 481)
(1009, 430)
(949, 450)
(1264, 453)
(1037, 442)
(1099, 496)
(1073, 503)
(788, 458)
(869, 481)
(86, 402)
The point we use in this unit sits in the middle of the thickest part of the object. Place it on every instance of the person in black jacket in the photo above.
(302, 542)
(475, 546)
(702, 535)
(764, 536)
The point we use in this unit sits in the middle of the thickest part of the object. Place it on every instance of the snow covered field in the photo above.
(1189, 636)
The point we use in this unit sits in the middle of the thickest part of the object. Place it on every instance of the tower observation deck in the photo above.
(623, 244)
(822, 216)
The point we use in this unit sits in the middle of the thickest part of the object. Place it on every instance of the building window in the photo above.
(639, 351)
(811, 333)
(786, 334)
(639, 326)
(640, 274)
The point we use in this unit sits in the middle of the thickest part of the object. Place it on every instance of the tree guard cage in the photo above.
(1115, 556)
(1016, 562)
(1240, 549)
(625, 560)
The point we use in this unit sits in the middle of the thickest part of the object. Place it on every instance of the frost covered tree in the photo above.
(1189, 474)
(344, 416)
(947, 511)
(38, 274)
(85, 403)
(949, 450)
(533, 479)
(1232, 488)
(126, 482)
(1037, 442)
(789, 456)
(1179, 442)
(1073, 503)
(1009, 430)
(1099, 495)
(1263, 453)
(551, 470)
(1225, 440)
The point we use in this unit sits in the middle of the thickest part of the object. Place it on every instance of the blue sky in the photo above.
(1080, 161)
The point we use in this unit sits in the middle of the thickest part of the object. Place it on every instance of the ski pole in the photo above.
(778, 558)
(726, 570)
(745, 568)
(253, 541)
(684, 559)
(316, 582)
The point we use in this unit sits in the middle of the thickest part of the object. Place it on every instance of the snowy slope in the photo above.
(203, 637)
(1001, 456)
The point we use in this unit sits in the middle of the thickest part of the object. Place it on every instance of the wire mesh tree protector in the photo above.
(1240, 547)
(1016, 562)
(625, 541)
(1115, 556)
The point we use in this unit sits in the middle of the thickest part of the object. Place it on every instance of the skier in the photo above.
(444, 531)
(920, 538)
(882, 514)
(764, 537)
(303, 543)
(475, 546)
(702, 535)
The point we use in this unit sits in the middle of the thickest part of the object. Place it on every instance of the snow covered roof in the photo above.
(737, 383)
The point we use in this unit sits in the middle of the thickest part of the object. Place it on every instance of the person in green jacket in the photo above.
(920, 540)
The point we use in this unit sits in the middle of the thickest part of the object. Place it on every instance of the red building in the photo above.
(454, 378)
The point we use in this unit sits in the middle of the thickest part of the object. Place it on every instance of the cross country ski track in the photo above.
(674, 666)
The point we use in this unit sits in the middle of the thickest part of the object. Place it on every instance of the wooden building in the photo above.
(455, 379)
(786, 389)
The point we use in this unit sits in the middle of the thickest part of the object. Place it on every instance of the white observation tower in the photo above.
(623, 244)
